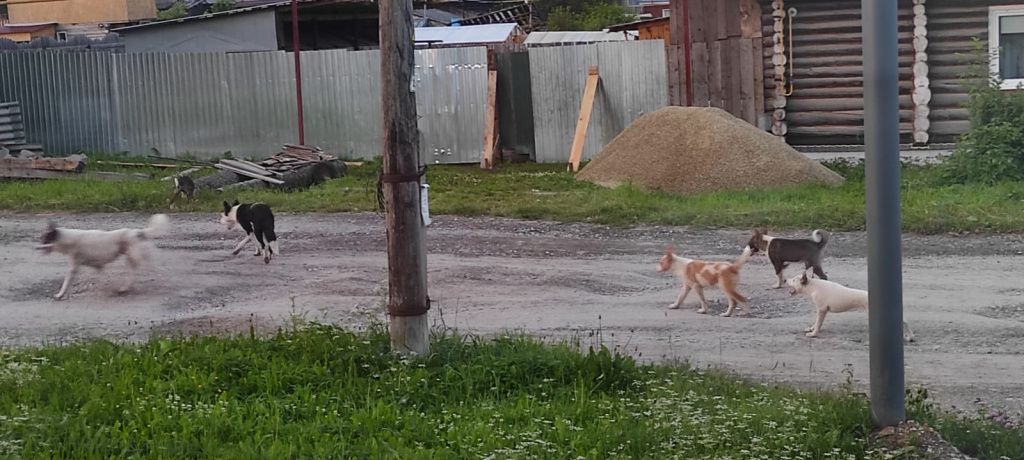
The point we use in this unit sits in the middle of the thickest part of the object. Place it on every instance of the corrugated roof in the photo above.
(486, 33)
(543, 38)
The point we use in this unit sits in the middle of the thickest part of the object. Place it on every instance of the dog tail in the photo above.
(158, 226)
(820, 236)
(741, 260)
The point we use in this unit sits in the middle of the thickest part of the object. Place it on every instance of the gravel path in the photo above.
(963, 294)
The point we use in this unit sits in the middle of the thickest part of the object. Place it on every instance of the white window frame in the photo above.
(994, 13)
(666, 12)
(62, 36)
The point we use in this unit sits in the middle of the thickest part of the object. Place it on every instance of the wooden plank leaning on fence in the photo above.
(586, 107)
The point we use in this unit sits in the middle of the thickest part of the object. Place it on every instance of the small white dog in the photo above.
(97, 248)
(829, 296)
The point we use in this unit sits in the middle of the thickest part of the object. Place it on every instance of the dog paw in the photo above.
(808, 329)
(266, 259)
(673, 306)
(702, 311)
(725, 315)
(61, 297)
(811, 334)
(235, 253)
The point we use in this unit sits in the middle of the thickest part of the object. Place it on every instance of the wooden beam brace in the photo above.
(586, 107)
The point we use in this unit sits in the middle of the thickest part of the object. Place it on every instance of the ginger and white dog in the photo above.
(831, 297)
(97, 248)
(698, 274)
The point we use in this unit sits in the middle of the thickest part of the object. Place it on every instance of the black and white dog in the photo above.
(257, 220)
(97, 248)
(782, 251)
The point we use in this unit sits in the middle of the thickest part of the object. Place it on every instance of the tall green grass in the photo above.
(320, 392)
(547, 192)
(324, 393)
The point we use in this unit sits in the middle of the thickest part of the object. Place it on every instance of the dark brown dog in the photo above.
(781, 251)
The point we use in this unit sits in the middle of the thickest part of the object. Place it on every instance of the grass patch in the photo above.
(547, 192)
(319, 392)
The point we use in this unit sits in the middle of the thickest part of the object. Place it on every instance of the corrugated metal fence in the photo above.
(207, 104)
(634, 81)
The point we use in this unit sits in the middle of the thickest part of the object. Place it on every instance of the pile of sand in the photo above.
(689, 150)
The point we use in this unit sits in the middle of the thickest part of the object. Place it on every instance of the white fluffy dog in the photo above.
(829, 296)
(97, 248)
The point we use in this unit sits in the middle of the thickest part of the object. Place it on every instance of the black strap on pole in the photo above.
(395, 179)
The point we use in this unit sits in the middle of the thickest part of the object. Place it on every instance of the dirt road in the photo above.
(964, 294)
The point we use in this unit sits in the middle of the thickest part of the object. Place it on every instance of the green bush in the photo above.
(177, 10)
(586, 15)
(222, 5)
(993, 150)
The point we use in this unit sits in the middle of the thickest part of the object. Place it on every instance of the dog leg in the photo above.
(134, 257)
(241, 244)
(682, 296)
(729, 309)
(261, 246)
(65, 289)
(703, 302)
(819, 272)
(778, 273)
(817, 323)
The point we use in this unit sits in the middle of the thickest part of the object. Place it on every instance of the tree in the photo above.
(222, 5)
(177, 10)
(582, 14)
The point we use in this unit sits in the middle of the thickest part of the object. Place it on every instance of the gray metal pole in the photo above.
(882, 162)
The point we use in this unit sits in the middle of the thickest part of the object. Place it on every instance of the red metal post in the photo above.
(686, 52)
(298, 68)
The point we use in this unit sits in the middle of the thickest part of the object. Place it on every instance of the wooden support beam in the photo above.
(586, 107)
(490, 121)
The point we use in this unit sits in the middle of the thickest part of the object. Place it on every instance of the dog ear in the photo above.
(227, 208)
(236, 203)
(51, 226)
(803, 278)
(669, 249)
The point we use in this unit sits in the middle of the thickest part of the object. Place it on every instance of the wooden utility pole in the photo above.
(407, 252)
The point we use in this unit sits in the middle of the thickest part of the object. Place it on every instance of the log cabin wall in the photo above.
(952, 27)
(826, 106)
(725, 37)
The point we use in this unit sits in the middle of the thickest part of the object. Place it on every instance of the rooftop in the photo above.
(463, 35)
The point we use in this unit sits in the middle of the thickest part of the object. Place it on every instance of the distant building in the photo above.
(90, 18)
(494, 36)
(323, 24)
(23, 33)
(648, 29)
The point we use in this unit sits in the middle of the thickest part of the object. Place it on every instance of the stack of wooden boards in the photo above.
(12, 132)
(31, 166)
(295, 166)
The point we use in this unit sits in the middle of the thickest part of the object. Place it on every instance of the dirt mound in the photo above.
(689, 150)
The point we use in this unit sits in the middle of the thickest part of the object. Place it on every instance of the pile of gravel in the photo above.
(690, 150)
